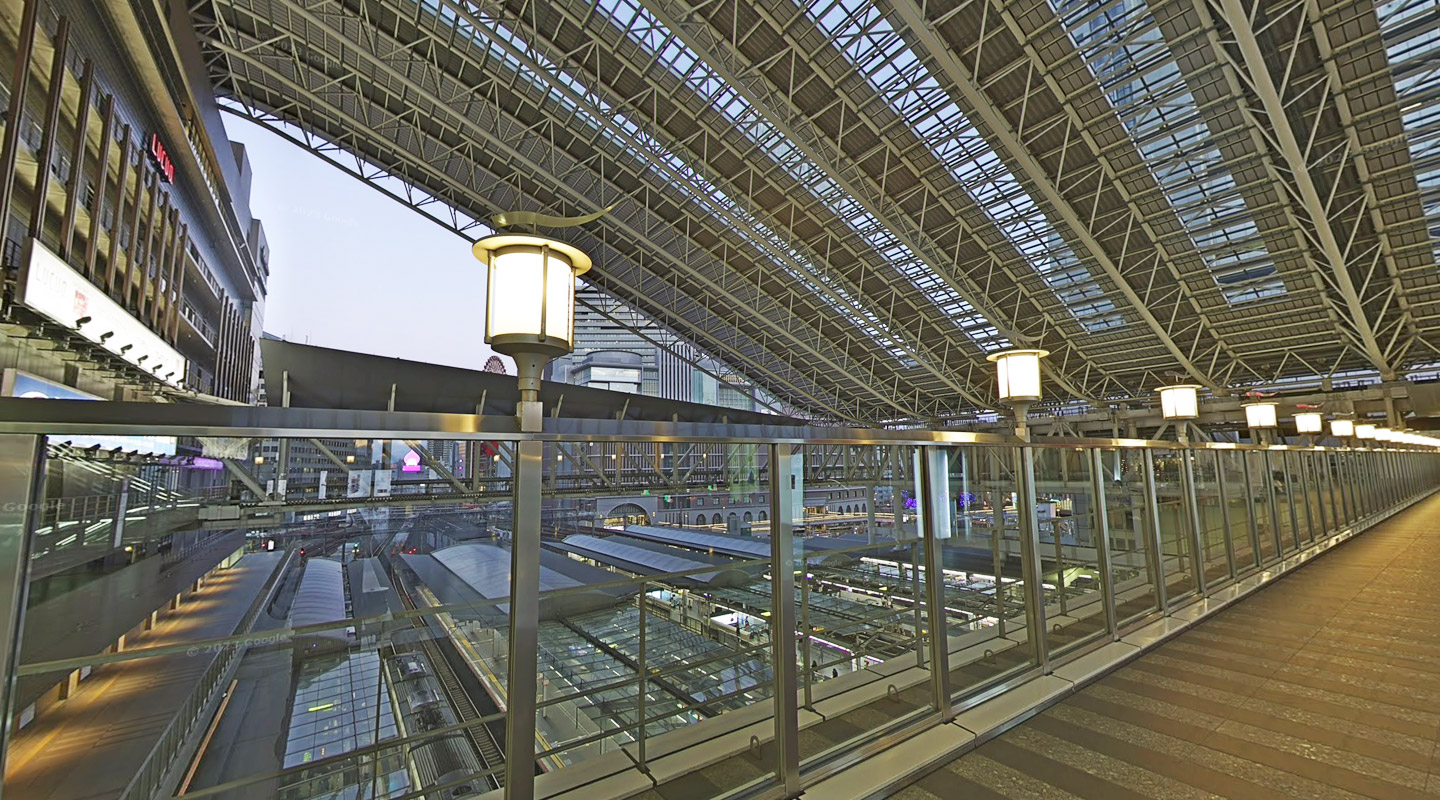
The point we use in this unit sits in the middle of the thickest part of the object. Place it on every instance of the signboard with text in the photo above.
(52, 289)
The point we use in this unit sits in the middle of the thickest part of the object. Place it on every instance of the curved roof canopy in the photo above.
(853, 202)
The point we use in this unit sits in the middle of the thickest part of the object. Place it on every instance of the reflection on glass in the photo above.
(1177, 563)
(1131, 531)
(985, 600)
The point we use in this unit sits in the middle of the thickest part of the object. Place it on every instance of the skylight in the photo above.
(1126, 52)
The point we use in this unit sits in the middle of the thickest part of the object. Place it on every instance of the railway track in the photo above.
(479, 735)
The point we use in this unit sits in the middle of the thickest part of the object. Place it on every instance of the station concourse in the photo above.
(881, 398)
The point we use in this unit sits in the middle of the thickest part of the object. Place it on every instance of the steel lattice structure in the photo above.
(853, 202)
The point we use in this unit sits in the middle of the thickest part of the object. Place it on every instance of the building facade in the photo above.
(143, 273)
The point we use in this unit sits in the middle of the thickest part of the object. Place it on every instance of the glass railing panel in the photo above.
(1070, 537)
(1286, 500)
(1211, 508)
(1260, 486)
(1239, 509)
(1337, 492)
(1317, 494)
(985, 600)
(1301, 494)
(1177, 559)
(863, 620)
(328, 639)
(656, 608)
(1129, 525)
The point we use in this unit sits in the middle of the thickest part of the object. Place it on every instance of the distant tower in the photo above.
(495, 365)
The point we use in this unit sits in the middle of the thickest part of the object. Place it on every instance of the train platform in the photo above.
(90, 745)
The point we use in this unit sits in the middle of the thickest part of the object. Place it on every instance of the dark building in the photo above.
(143, 273)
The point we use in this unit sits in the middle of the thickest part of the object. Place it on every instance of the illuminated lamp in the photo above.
(1309, 422)
(1180, 402)
(1260, 415)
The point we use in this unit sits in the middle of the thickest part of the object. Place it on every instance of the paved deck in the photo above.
(90, 745)
(1325, 685)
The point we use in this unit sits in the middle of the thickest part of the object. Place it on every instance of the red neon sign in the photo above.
(161, 157)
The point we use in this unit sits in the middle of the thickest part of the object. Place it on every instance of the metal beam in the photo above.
(750, 82)
(244, 477)
(466, 126)
(959, 76)
(1258, 73)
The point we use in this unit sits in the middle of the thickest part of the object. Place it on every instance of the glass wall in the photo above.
(378, 617)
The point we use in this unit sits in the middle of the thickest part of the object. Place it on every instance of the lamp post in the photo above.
(530, 307)
(1180, 404)
(529, 316)
(1260, 417)
(1017, 374)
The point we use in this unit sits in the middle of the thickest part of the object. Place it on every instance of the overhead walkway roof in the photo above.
(475, 575)
(743, 547)
(320, 598)
(655, 560)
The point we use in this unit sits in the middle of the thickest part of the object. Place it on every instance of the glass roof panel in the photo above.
(1411, 30)
(620, 131)
(669, 50)
(1126, 52)
(872, 45)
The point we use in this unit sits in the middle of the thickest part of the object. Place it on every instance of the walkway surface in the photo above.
(1323, 686)
(90, 745)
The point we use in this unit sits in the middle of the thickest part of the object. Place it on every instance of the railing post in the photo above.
(1101, 533)
(1192, 514)
(935, 474)
(643, 669)
(22, 481)
(1154, 552)
(1030, 555)
(782, 615)
(524, 622)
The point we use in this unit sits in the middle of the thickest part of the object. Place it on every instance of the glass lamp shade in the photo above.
(530, 297)
(1180, 402)
(1365, 430)
(1342, 427)
(1260, 415)
(1309, 422)
(1018, 373)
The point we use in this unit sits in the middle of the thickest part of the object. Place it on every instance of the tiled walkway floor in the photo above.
(1325, 685)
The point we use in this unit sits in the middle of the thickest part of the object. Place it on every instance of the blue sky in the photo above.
(352, 269)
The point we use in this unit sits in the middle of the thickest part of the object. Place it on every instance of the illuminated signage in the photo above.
(412, 462)
(51, 288)
(161, 158)
(22, 384)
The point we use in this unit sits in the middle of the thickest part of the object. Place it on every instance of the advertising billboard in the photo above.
(15, 383)
(49, 287)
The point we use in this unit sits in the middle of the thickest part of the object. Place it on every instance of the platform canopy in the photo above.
(853, 202)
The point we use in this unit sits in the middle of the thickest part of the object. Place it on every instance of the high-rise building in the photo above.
(144, 274)
(605, 328)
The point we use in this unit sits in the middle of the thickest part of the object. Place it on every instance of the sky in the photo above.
(352, 269)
